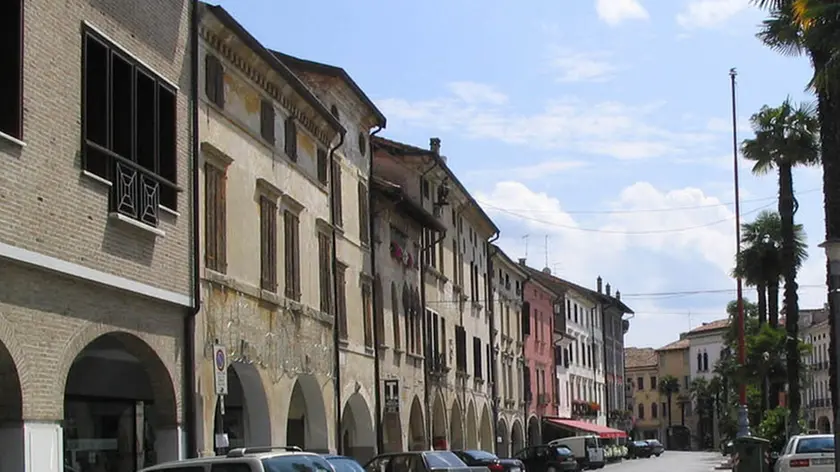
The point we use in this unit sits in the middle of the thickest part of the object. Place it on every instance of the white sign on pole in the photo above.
(220, 369)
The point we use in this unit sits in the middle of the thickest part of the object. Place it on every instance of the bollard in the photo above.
(752, 454)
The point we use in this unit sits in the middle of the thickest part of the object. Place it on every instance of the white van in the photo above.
(588, 450)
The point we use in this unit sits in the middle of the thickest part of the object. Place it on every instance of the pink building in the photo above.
(537, 318)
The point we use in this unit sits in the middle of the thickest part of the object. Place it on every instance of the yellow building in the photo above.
(642, 369)
(674, 363)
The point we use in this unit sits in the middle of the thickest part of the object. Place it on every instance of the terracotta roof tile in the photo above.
(638, 357)
(710, 326)
(675, 346)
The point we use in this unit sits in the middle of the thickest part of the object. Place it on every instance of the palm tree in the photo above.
(812, 27)
(786, 136)
(668, 386)
(760, 264)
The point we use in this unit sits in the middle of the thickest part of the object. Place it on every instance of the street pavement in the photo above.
(670, 461)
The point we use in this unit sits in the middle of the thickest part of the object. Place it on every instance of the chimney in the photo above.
(434, 145)
(522, 261)
(617, 295)
(599, 283)
(547, 271)
(608, 290)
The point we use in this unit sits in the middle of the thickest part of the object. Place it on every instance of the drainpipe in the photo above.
(334, 267)
(424, 322)
(491, 306)
(377, 392)
(190, 422)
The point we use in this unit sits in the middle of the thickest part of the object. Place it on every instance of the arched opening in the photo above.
(392, 432)
(11, 413)
(417, 428)
(534, 434)
(306, 426)
(516, 439)
(245, 420)
(119, 396)
(824, 425)
(486, 434)
(502, 439)
(357, 436)
(456, 427)
(472, 428)
(439, 424)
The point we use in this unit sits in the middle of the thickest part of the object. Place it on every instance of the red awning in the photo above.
(602, 431)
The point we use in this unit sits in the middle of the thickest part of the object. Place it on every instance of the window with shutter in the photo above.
(364, 214)
(395, 315)
(324, 278)
(291, 227)
(367, 314)
(268, 244)
(338, 211)
(379, 310)
(322, 166)
(526, 318)
(477, 370)
(341, 303)
(290, 138)
(267, 120)
(214, 80)
(215, 227)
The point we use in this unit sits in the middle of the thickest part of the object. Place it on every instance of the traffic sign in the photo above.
(220, 365)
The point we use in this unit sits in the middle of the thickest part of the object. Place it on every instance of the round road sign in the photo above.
(221, 362)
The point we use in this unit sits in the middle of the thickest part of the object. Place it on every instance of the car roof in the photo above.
(227, 457)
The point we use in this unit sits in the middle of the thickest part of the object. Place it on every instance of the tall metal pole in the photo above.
(743, 418)
(832, 251)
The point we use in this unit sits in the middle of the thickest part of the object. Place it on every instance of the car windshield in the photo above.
(640, 443)
(592, 442)
(812, 445)
(443, 460)
(345, 464)
(481, 455)
(653, 442)
(296, 463)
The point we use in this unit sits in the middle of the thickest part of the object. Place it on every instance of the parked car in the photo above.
(807, 453)
(546, 458)
(252, 459)
(639, 449)
(489, 460)
(420, 461)
(656, 447)
(588, 450)
(343, 463)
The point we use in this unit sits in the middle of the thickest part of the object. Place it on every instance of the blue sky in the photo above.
(571, 121)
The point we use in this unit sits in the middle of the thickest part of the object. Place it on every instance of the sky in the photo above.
(596, 133)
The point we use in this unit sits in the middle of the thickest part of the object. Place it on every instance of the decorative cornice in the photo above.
(258, 77)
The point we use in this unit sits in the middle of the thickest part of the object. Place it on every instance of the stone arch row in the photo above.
(510, 439)
(454, 428)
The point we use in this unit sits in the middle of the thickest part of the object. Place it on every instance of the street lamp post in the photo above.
(832, 251)
(743, 418)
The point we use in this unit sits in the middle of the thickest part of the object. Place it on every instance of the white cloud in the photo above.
(582, 66)
(614, 12)
(582, 250)
(700, 14)
(477, 93)
(531, 172)
(603, 128)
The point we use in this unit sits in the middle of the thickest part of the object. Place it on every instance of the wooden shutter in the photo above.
(215, 227)
(214, 80)
(324, 262)
(322, 166)
(526, 318)
(267, 120)
(292, 255)
(338, 212)
(364, 222)
(290, 138)
(341, 303)
(268, 244)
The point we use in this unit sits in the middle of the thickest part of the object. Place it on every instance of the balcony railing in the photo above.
(135, 191)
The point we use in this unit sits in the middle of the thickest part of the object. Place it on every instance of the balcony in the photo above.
(584, 409)
(542, 399)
